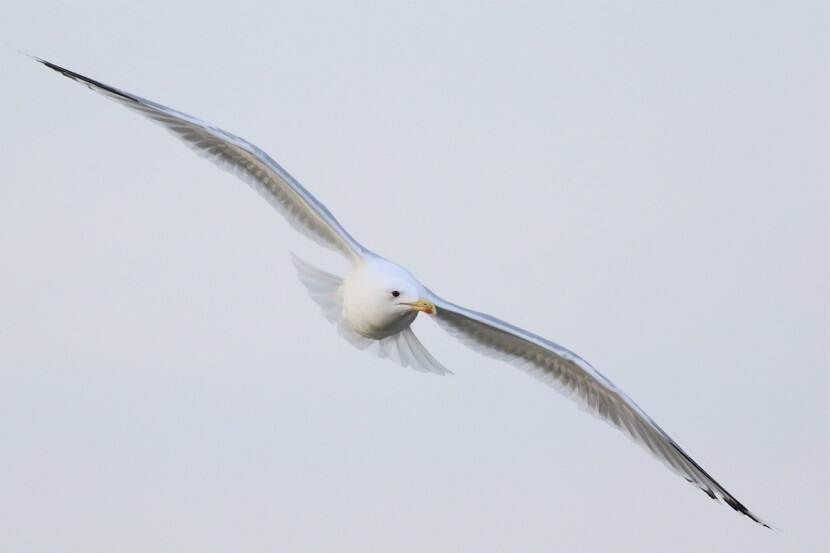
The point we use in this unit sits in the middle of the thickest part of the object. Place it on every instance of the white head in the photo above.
(381, 298)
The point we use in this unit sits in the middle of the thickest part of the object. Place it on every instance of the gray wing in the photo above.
(236, 155)
(575, 378)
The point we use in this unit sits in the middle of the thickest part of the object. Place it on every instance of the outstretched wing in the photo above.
(302, 210)
(574, 377)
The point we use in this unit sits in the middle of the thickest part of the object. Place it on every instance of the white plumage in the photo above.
(374, 306)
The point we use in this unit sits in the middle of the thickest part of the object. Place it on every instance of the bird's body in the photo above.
(375, 304)
(369, 305)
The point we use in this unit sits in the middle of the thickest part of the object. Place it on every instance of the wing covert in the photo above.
(234, 154)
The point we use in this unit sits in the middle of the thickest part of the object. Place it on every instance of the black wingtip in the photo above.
(91, 83)
(719, 492)
(738, 506)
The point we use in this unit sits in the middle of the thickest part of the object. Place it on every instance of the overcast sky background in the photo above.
(645, 184)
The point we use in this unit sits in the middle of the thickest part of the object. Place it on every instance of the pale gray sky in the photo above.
(647, 185)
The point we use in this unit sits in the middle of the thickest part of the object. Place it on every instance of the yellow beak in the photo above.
(422, 305)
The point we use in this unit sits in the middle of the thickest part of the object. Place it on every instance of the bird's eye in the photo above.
(395, 293)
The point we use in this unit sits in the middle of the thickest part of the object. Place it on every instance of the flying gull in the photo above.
(374, 305)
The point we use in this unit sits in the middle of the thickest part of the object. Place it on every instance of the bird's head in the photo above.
(402, 293)
(411, 302)
(395, 291)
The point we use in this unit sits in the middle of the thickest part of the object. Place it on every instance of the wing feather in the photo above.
(234, 154)
(576, 378)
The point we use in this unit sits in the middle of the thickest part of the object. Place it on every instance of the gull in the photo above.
(373, 307)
